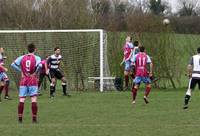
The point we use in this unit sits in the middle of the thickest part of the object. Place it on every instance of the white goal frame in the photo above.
(101, 76)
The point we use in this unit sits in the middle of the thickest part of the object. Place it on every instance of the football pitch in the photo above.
(105, 114)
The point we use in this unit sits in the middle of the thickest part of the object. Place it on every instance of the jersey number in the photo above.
(28, 65)
(141, 61)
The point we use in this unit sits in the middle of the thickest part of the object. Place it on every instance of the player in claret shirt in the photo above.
(29, 66)
(142, 60)
(127, 49)
(3, 76)
(43, 72)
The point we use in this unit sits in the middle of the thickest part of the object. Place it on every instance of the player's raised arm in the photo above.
(133, 59)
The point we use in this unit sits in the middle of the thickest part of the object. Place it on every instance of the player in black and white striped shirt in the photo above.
(194, 75)
(53, 63)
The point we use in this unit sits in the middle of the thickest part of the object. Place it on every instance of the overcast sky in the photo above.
(173, 4)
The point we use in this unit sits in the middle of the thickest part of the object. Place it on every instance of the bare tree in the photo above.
(100, 10)
(189, 7)
(141, 6)
(158, 7)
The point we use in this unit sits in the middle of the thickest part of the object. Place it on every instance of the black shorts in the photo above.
(41, 77)
(193, 82)
(56, 73)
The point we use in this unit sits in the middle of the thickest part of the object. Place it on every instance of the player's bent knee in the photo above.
(126, 73)
(22, 99)
(2, 83)
(64, 81)
(136, 86)
(189, 91)
(7, 82)
(53, 82)
(34, 99)
(148, 85)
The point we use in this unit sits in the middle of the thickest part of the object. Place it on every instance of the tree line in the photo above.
(112, 15)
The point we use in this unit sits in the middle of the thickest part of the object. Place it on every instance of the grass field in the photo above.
(105, 114)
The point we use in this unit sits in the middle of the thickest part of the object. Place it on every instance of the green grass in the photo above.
(105, 114)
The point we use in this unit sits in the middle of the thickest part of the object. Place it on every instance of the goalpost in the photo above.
(84, 53)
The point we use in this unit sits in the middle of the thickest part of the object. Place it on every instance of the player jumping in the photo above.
(141, 61)
(128, 48)
(29, 66)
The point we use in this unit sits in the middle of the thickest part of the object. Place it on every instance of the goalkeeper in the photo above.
(55, 73)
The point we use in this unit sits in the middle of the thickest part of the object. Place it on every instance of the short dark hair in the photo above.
(142, 49)
(56, 48)
(31, 48)
(198, 50)
(136, 43)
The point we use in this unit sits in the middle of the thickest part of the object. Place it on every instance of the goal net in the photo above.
(84, 54)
